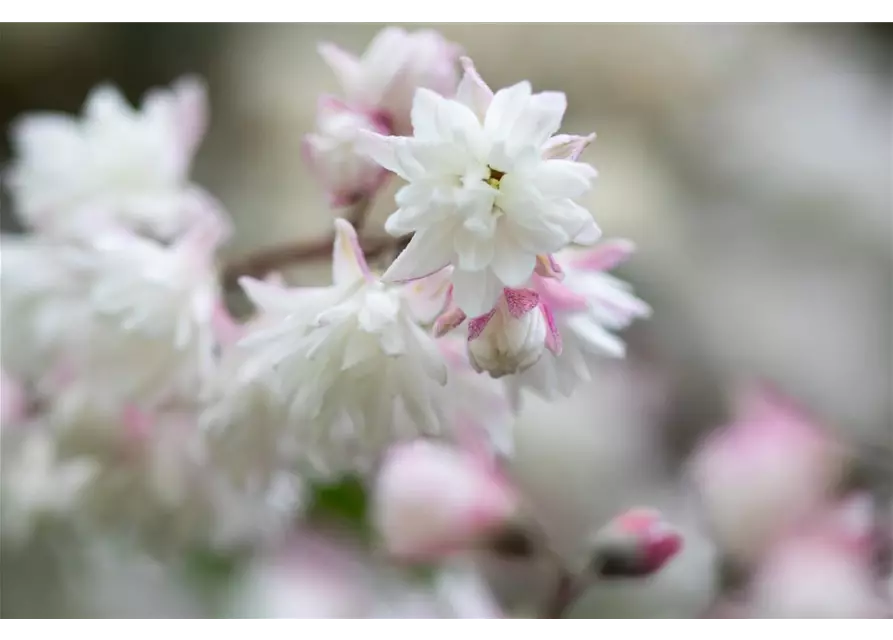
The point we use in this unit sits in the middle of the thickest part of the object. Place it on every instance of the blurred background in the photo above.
(750, 164)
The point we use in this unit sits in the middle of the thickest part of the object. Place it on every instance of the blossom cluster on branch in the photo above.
(133, 399)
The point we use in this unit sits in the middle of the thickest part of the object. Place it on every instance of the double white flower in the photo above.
(489, 189)
(346, 361)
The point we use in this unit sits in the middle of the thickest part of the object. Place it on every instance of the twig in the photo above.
(567, 590)
(262, 262)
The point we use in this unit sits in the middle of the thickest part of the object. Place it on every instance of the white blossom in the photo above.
(37, 484)
(332, 156)
(486, 191)
(114, 164)
(344, 360)
(384, 80)
(152, 308)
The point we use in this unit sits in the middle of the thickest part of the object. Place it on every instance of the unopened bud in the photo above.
(432, 499)
(636, 543)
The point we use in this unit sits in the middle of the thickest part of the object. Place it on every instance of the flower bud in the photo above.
(346, 175)
(759, 476)
(636, 543)
(512, 336)
(431, 499)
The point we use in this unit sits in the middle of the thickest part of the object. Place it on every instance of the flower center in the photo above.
(494, 177)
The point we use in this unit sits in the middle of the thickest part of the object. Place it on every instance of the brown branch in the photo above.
(567, 590)
(260, 263)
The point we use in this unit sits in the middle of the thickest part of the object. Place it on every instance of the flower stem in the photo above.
(264, 261)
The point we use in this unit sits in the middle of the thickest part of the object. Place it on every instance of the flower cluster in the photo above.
(134, 401)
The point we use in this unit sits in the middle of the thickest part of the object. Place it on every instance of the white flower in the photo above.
(36, 484)
(330, 151)
(44, 287)
(587, 305)
(152, 307)
(115, 164)
(348, 361)
(512, 336)
(486, 191)
(395, 64)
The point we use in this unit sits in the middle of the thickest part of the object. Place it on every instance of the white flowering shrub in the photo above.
(136, 406)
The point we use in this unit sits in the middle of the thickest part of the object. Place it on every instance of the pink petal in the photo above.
(477, 325)
(348, 261)
(137, 423)
(605, 256)
(566, 147)
(226, 329)
(328, 105)
(344, 64)
(448, 321)
(520, 301)
(553, 336)
(548, 267)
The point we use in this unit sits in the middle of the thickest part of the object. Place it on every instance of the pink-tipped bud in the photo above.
(763, 474)
(511, 337)
(636, 543)
(331, 153)
(13, 401)
(432, 499)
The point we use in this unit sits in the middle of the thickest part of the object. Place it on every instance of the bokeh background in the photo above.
(750, 164)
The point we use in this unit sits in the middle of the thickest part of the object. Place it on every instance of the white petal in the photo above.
(511, 263)
(473, 92)
(473, 250)
(394, 153)
(540, 119)
(475, 292)
(507, 106)
(429, 250)
(344, 64)
(566, 147)
(563, 178)
(594, 337)
(438, 119)
(106, 101)
(348, 261)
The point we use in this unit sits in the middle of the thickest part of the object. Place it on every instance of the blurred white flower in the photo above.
(432, 499)
(44, 308)
(115, 164)
(512, 336)
(151, 335)
(37, 484)
(587, 305)
(486, 192)
(763, 474)
(344, 360)
(396, 63)
(331, 153)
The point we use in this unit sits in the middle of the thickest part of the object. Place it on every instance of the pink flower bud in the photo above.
(432, 499)
(636, 543)
(820, 571)
(13, 401)
(346, 175)
(759, 476)
(512, 336)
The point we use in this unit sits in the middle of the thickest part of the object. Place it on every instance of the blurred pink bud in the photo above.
(13, 401)
(511, 337)
(330, 152)
(636, 543)
(432, 499)
(764, 473)
(820, 571)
